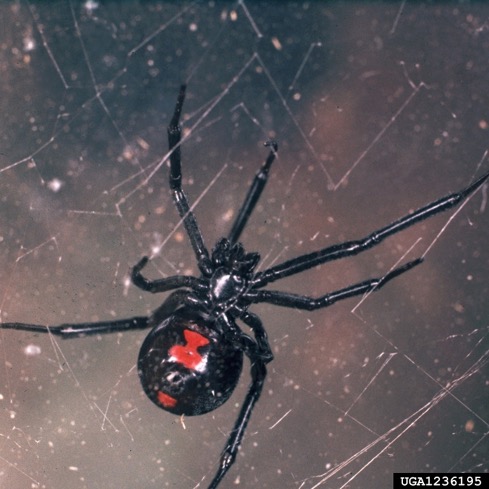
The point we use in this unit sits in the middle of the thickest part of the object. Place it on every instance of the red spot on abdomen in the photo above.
(187, 354)
(166, 401)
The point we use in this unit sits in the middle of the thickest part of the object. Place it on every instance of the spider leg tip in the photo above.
(271, 143)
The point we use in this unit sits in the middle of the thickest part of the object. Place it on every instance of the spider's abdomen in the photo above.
(184, 367)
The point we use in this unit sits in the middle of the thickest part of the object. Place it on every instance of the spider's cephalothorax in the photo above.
(233, 269)
(191, 360)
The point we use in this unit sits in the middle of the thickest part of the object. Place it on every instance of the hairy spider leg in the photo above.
(350, 248)
(253, 195)
(179, 197)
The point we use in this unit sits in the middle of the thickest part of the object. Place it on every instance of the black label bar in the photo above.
(417, 480)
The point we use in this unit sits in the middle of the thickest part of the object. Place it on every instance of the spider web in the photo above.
(378, 109)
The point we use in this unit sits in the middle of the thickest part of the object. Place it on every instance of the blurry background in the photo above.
(378, 109)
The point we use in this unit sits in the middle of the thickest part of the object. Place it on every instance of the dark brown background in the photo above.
(378, 108)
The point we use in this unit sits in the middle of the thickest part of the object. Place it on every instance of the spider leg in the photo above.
(254, 322)
(259, 356)
(286, 299)
(173, 302)
(82, 329)
(253, 195)
(258, 374)
(160, 285)
(350, 248)
(69, 330)
(179, 197)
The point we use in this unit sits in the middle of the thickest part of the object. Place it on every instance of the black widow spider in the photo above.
(191, 360)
